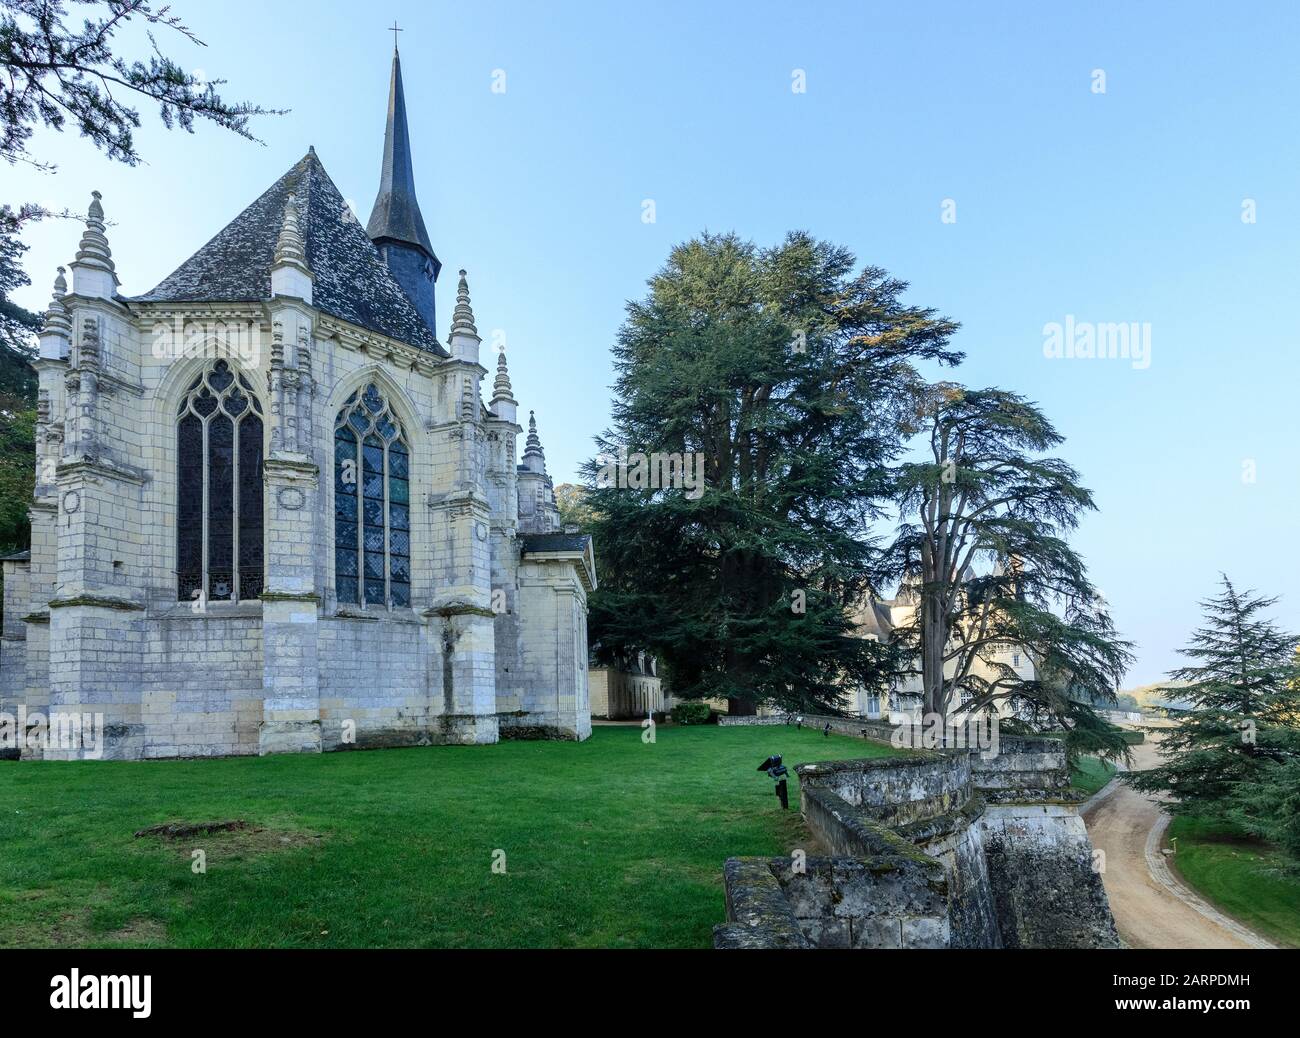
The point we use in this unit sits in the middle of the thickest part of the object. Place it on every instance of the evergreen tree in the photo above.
(787, 372)
(18, 328)
(984, 495)
(1245, 714)
(55, 73)
(1268, 807)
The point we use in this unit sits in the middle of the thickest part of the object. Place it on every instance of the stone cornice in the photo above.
(153, 312)
(80, 466)
(116, 306)
(288, 596)
(97, 602)
(352, 337)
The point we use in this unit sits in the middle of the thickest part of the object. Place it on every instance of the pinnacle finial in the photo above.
(501, 388)
(56, 317)
(533, 445)
(289, 247)
(93, 254)
(462, 318)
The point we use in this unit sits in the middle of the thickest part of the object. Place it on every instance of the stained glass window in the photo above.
(372, 504)
(219, 489)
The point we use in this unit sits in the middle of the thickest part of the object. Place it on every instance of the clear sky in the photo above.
(1122, 206)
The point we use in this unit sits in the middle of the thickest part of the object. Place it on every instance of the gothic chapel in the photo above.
(272, 513)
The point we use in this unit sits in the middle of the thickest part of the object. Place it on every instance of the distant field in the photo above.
(1242, 877)
(607, 843)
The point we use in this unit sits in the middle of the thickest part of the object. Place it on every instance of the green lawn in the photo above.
(1239, 876)
(608, 843)
(1091, 773)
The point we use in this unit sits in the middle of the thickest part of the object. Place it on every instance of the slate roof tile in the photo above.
(351, 281)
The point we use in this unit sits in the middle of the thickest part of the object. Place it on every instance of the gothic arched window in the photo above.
(372, 504)
(219, 489)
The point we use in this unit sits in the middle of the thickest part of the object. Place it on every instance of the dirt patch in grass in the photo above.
(229, 841)
(142, 930)
(184, 830)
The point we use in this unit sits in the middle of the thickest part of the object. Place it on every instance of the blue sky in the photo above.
(1117, 207)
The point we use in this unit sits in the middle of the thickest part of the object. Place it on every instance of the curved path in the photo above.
(1152, 908)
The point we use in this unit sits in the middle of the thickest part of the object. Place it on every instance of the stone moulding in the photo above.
(97, 601)
(288, 596)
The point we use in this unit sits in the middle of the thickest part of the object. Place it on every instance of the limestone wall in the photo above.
(884, 902)
(1045, 888)
(620, 696)
(896, 789)
(1018, 872)
(13, 636)
(295, 670)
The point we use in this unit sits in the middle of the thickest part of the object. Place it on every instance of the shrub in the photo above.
(691, 713)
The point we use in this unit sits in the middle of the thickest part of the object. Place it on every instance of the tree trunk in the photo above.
(741, 707)
(934, 639)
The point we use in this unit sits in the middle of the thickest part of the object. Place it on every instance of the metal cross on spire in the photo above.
(395, 30)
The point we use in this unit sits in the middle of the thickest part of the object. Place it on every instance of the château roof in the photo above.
(351, 281)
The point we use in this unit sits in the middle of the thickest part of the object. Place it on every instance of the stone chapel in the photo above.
(272, 512)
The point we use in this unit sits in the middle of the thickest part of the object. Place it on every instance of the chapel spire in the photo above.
(396, 225)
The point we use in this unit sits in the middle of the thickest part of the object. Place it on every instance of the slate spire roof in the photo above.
(351, 281)
(396, 215)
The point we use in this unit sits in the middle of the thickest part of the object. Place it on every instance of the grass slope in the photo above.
(1240, 876)
(1091, 774)
(608, 843)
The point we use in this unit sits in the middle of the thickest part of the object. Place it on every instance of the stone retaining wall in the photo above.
(1016, 860)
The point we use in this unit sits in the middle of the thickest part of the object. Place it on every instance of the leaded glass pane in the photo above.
(221, 508)
(400, 568)
(384, 518)
(399, 466)
(250, 507)
(346, 530)
(213, 455)
(189, 507)
(220, 377)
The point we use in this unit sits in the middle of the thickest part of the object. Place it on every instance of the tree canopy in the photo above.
(984, 517)
(58, 73)
(787, 372)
